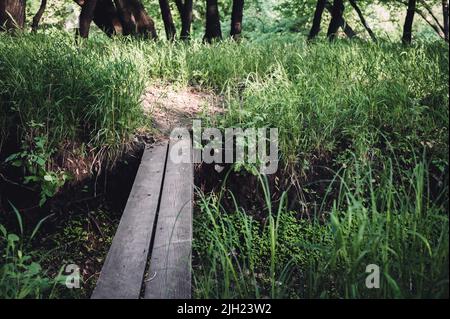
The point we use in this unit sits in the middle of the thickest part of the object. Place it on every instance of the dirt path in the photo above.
(171, 107)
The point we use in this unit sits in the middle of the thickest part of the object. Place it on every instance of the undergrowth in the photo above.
(376, 114)
(21, 274)
(397, 228)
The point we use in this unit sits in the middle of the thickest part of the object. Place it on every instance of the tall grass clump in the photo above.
(398, 228)
(328, 100)
(341, 98)
(21, 275)
(373, 115)
(77, 96)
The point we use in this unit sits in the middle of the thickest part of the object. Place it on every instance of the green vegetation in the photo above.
(282, 256)
(363, 136)
(54, 90)
(34, 264)
(21, 276)
(82, 240)
(61, 102)
(375, 114)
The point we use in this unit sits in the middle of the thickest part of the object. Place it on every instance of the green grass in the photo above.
(325, 95)
(21, 274)
(86, 96)
(376, 115)
(398, 228)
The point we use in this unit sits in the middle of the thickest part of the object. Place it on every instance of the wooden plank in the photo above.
(123, 271)
(170, 262)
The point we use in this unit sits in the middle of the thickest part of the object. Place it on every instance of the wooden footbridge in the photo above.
(150, 255)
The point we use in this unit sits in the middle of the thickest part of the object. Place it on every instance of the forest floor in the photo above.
(170, 107)
(92, 224)
(363, 163)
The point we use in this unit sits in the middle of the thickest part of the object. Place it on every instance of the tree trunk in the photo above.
(86, 16)
(315, 29)
(186, 21)
(37, 17)
(433, 16)
(236, 19)
(145, 25)
(445, 16)
(185, 10)
(212, 30)
(349, 32)
(337, 12)
(169, 26)
(363, 20)
(435, 26)
(125, 15)
(2, 14)
(107, 18)
(407, 28)
(12, 14)
(122, 16)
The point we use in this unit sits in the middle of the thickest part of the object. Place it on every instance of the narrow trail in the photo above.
(151, 253)
(170, 107)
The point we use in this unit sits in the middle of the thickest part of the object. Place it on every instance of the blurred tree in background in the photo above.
(365, 19)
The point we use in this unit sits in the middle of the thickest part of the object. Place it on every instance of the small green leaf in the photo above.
(18, 216)
(17, 163)
(13, 238)
(3, 230)
(42, 200)
(12, 157)
(34, 268)
(40, 161)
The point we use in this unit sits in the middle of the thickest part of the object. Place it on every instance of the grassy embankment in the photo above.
(375, 114)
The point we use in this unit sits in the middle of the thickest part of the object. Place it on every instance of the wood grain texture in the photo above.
(123, 271)
(170, 263)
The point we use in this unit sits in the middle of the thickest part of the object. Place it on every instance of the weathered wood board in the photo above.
(123, 271)
(170, 263)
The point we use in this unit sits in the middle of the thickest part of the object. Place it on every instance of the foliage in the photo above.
(332, 101)
(375, 114)
(397, 228)
(34, 160)
(260, 17)
(64, 94)
(21, 276)
(80, 239)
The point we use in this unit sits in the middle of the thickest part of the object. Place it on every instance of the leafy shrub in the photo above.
(20, 275)
(34, 160)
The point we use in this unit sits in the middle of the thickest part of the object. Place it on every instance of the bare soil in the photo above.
(170, 107)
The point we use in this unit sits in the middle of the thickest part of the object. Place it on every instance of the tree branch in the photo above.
(430, 11)
(424, 17)
(38, 16)
(363, 20)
